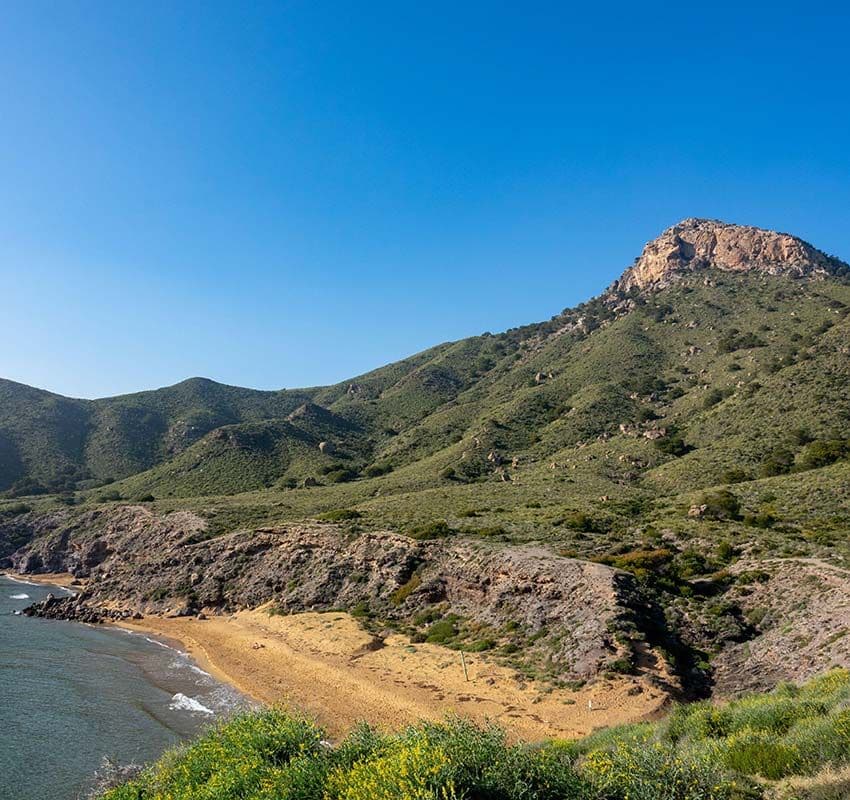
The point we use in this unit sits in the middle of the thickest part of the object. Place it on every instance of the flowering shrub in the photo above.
(702, 752)
(655, 771)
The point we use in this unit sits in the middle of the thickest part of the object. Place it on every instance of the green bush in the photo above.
(735, 475)
(406, 589)
(432, 530)
(726, 551)
(701, 752)
(758, 752)
(448, 473)
(579, 521)
(714, 397)
(778, 462)
(673, 445)
(341, 475)
(652, 770)
(766, 518)
(376, 470)
(641, 563)
(721, 504)
(735, 340)
(824, 452)
(442, 631)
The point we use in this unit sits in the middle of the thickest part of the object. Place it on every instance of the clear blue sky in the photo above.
(287, 194)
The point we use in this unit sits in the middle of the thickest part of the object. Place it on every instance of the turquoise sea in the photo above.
(72, 695)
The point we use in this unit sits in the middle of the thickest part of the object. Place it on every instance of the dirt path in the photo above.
(326, 665)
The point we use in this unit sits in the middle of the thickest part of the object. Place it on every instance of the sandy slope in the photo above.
(321, 663)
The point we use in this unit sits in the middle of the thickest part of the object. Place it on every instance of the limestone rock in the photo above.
(696, 244)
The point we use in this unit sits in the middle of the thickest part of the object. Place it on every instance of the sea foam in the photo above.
(182, 702)
(19, 596)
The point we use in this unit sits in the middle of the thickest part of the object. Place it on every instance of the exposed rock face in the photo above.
(792, 622)
(137, 562)
(801, 610)
(696, 244)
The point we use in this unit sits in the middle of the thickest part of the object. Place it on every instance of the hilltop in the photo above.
(696, 244)
(687, 431)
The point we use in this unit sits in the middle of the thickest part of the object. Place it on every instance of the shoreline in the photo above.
(325, 665)
(60, 580)
(187, 646)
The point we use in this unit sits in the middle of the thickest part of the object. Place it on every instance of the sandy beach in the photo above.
(326, 665)
(64, 580)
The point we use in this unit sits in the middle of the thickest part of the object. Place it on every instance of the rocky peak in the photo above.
(696, 244)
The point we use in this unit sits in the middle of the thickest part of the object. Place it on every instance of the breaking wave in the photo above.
(182, 702)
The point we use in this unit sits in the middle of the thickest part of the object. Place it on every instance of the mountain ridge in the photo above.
(694, 436)
(50, 443)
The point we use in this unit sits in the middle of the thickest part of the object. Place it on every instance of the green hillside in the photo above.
(619, 410)
(51, 443)
(738, 380)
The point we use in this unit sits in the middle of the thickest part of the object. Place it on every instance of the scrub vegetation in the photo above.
(791, 743)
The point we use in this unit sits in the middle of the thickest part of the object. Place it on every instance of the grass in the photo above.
(791, 743)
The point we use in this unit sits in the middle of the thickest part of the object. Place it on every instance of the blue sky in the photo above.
(288, 194)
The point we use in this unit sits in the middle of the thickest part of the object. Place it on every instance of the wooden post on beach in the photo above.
(463, 661)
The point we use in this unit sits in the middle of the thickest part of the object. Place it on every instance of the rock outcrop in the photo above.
(134, 561)
(696, 244)
(801, 610)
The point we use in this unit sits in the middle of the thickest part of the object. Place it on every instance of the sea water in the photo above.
(72, 695)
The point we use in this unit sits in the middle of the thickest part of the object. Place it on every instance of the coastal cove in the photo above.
(327, 666)
(73, 696)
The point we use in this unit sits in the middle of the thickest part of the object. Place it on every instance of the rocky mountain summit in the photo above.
(703, 243)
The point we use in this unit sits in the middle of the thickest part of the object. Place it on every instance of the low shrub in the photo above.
(438, 529)
(15, 509)
(824, 452)
(341, 475)
(376, 470)
(442, 631)
(405, 590)
(721, 504)
(579, 521)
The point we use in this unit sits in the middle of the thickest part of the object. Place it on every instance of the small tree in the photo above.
(721, 504)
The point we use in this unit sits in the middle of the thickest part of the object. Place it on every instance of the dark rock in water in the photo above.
(78, 609)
